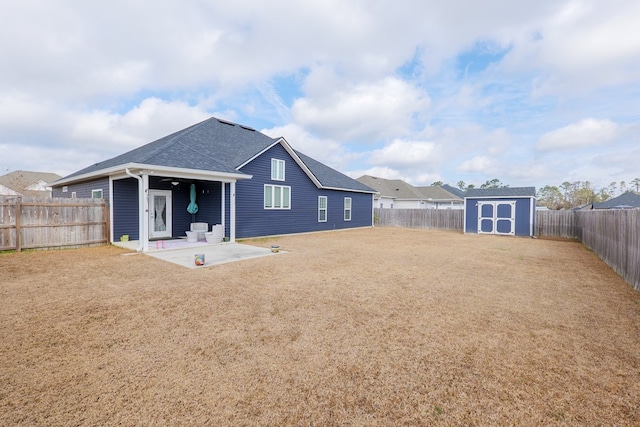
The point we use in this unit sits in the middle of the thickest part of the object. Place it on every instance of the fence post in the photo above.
(18, 218)
(107, 220)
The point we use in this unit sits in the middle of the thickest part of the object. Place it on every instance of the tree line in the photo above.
(568, 194)
(578, 193)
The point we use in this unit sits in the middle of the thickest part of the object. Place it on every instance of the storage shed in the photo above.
(507, 211)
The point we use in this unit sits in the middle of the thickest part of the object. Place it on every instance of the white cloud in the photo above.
(482, 164)
(368, 74)
(585, 133)
(366, 111)
(325, 150)
(406, 154)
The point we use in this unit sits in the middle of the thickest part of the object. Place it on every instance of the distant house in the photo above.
(249, 183)
(398, 194)
(507, 211)
(626, 200)
(27, 183)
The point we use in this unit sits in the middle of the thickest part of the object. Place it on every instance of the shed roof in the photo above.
(501, 192)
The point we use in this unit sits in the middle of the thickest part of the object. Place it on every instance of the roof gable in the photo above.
(331, 178)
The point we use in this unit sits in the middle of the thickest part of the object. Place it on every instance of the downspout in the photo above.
(140, 206)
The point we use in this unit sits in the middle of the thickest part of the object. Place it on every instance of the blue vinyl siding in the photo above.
(83, 189)
(253, 220)
(523, 214)
(125, 205)
(207, 199)
(125, 208)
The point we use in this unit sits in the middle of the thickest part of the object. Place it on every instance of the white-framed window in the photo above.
(322, 208)
(96, 194)
(347, 208)
(277, 170)
(73, 194)
(277, 197)
(65, 188)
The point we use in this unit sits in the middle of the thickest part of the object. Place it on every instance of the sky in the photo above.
(532, 93)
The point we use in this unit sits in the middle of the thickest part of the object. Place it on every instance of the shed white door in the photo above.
(159, 214)
(497, 218)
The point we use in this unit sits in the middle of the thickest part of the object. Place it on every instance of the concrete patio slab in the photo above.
(213, 254)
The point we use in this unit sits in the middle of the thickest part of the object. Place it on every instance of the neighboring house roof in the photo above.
(391, 188)
(626, 200)
(438, 194)
(453, 190)
(27, 183)
(501, 192)
(214, 145)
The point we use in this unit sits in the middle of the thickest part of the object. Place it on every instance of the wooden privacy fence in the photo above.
(557, 224)
(444, 219)
(42, 223)
(615, 236)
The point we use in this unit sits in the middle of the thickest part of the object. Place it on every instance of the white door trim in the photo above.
(494, 217)
(160, 227)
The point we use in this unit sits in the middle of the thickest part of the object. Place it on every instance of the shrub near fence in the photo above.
(41, 223)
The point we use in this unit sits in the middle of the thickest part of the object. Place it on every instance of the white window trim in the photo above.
(325, 209)
(73, 194)
(95, 191)
(65, 188)
(282, 197)
(348, 209)
(277, 165)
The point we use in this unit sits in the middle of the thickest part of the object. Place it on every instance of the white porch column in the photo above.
(232, 211)
(223, 204)
(144, 213)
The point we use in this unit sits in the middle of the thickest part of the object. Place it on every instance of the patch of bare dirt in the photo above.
(381, 326)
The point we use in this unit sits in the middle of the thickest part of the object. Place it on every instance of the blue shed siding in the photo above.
(125, 208)
(253, 220)
(523, 214)
(83, 189)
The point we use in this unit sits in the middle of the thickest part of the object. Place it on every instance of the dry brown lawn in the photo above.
(369, 327)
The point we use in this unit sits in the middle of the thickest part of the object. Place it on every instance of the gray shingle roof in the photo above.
(329, 177)
(453, 190)
(19, 181)
(626, 200)
(437, 193)
(393, 188)
(501, 192)
(214, 145)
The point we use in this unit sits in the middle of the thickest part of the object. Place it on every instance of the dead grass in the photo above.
(367, 327)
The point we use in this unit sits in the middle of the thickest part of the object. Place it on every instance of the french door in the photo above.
(497, 217)
(159, 214)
